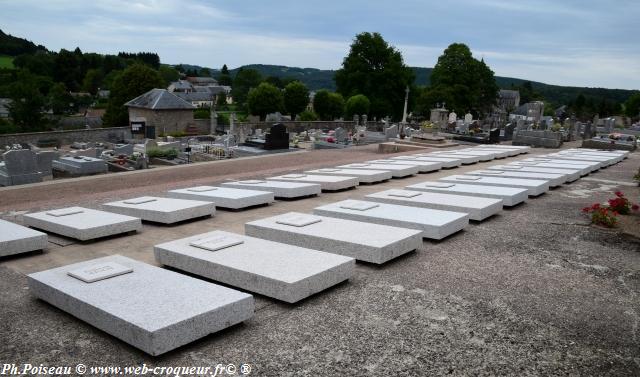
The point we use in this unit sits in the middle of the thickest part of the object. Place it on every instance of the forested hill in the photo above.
(323, 79)
(13, 46)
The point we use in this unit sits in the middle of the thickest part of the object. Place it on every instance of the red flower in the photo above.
(635, 207)
(586, 209)
(595, 206)
(619, 194)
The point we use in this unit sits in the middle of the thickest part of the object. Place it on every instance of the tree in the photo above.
(264, 99)
(307, 116)
(467, 84)
(296, 98)
(632, 106)
(92, 81)
(169, 74)
(221, 100)
(377, 70)
(134, 81)
(225, 77)
(357, 105)
(245, 80)
(333, 106)
(27, 103)
(321, 104)
(59, 99)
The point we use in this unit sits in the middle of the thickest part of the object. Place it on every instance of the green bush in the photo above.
(169, 154)
(201, 113)
(307, 116)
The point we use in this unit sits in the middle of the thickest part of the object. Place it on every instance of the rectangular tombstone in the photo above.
(434, 224)
(284, 272)
(327, 182)
(397, 171)
(582, 170)
(224, 197)
(510, 196)
(465, 159)
(477, 208)
(522, 149)
(535, 186)
(162, 210)
(82, 223)
(17, 239)
(364, 176)
(360, 240)
(554, 180)
(280, 189)
(80, 165)
(150, 308)
(447, 163)
(592, 166)
(604, 161)
(612, 159)
(423, 166)
(499, 153)
(569, 175)
(482, 156)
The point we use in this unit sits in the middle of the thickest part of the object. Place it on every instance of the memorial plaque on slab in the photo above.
(404, 194)
(141, 200)
(294, 176)
(216, 242)
(299, 220)
(202, 189)
(101, 271)
(359, 206)
(65, 212)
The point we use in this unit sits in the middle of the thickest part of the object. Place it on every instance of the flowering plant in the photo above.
(607, 215)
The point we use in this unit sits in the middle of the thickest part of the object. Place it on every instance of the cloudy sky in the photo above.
(567, 42)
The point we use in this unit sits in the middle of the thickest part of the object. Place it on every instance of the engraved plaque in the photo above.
(218, 242)
(141, 200)
(468, 178)
(65, 212)
(298, 220)
(252, 181)
(405, 194)
(202, 189)
(359, 206)
(294, 176)
(101, 271)
(438, 184)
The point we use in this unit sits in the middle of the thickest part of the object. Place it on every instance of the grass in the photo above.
(6, 62)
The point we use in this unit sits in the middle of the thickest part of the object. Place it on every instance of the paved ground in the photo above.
(532, 291)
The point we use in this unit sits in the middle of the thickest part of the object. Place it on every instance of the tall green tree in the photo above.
(27, 103)
(134, 81)
(328, 105)
(296, 98)
(169, 74)
(59, 100)
(225, 77)
(92, 81)
(377, 70)
(243, 82)
(463, 82)
(357, 105)
(632, 106)
(265, 99)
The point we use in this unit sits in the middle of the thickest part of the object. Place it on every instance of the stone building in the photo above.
(159, 112)
(508, 100)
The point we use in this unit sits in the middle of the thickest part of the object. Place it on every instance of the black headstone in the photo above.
(494, 136)
(277, 138)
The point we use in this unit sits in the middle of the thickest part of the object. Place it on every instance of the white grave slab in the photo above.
(82, 223)
(499, 153)
(581, 170)
(17, 239)
(465, 159)
(569, 176)
(590, 156)
(434, 224)
(477, 208)
(224, 197)
(364, 176)
(604, 161)
(360, 240)
(423, 166)
(522, 149)
(397, 170)
(150, 308)
(569, 163)
(447, 163)
(284, 272)
(535, 186)
(280, 189)
(162, 210)
(482, 156)
(510, 196)
(554, 180)
(327, 182)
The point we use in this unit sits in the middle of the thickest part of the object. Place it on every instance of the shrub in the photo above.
(201, 113)
(620, 204)
(601, 215)
(307, 116)
(169, 154)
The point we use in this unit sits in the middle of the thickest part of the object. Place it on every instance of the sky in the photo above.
(590, 43)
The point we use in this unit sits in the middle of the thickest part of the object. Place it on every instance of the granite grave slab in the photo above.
(280, 189)
(397, 170)
(554, 180)
(327, 182)
(510, 196)
(535, 186)
(364, 176)
(17, 239)
(224, 197)
(162, 210)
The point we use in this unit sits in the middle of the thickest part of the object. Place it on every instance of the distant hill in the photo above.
(13, 46)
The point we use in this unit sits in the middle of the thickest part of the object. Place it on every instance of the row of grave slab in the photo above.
(287, 257)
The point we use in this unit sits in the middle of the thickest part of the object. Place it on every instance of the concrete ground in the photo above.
(534, 290)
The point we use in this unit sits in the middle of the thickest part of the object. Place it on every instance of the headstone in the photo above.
(277, 138)
(356, 119)
(510, 196)
(19, 167)
(453, 117)
(586, 135)
(408, 131)
(123, 149)
(82, 223)
(391, 132)
(45, 160)
(17, 239)
(224, 197)
(508, 131)
(363, 176)
(151, 308)
(341, 135)
(494, 135)
(468, 119)
(256, 265)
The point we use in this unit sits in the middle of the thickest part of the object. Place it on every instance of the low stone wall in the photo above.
(115, 134)
(604, 145)
(546, 139)
(297, 126)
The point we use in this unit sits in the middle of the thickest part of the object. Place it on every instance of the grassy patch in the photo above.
(6, 62)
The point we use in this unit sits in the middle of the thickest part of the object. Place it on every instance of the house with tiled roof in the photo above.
(159, 111)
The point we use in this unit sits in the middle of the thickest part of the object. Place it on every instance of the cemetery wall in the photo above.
(298, 126)
(67, 137)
